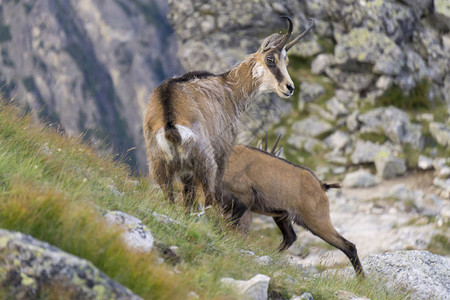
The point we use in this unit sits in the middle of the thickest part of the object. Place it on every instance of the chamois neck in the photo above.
(243, 85)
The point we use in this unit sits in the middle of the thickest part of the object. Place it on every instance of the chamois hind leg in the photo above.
(188, 189)
(164, 178)
(325, 230)
(289, 236)
(205, 172)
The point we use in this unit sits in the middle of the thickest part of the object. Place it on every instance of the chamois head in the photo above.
(272, 60)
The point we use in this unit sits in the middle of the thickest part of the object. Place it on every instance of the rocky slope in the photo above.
(87, 65)
(372, 110)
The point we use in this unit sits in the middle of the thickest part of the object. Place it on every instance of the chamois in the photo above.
(259, 181)
(190, 123)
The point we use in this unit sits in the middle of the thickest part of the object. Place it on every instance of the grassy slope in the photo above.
(51, 184)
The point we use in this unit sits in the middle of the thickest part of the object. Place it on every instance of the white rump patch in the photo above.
(186, 134)
(164, 144)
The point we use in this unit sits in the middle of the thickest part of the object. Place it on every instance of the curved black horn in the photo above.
(301, 35)
(288, 33)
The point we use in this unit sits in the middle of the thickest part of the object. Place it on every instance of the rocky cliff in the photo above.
(87, 65)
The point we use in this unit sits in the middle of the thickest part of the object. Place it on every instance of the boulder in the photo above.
(423, 274)
(389, 166)
(321, 62)
(255, 288)
(441, 133)
(360, 179)
(394, 123)
(442, 13)
(30, 267)
(363, 46)
(337, 140)
(365, 151)
(309, 92)
(311, 126)
(353, 81)
(136, 235)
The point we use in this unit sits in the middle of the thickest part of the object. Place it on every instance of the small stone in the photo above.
(425, 163)
(304, 296)
(255, 288)
(365, 151)
(384, 82)
(360, 179)
(136, 234)
(263, 260)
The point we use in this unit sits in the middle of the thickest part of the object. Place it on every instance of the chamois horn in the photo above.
(301, 35)
(286, 37)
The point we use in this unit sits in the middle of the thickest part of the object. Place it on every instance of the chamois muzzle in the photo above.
(286, 37)
(301, 35)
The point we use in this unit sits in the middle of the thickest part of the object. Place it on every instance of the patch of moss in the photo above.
(440, 244)
(373, 137)
(416, 99)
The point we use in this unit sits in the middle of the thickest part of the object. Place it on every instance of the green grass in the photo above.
(51, 186)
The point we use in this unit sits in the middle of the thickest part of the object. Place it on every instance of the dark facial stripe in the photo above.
(275, 70)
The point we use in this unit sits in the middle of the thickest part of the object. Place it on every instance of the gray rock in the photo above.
(350, 80)
(442, 12)
(308, 143)
(395, 124)
(421, 5)
(29, 266)
(425, 275)
(306, 48)
(404, 194)
(360, 179)
(136, 234)
(311, 126)
(263, 260)
(446, 89)
(346, 295)
(352, 121)
(364, 46)
(337, 140)
(255, 288)
(384, 82)
(389, 166)
(322, 62)
(336, 108)
(441, 133)
(304, 296)
(309, 92)
(424, 162)
(365, 151)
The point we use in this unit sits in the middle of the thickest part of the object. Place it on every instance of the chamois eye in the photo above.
(270, 60)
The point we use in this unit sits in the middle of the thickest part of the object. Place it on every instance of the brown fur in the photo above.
(190, 124)
(272, 186)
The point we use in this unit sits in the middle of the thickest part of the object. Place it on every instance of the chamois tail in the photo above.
(327, 186)
(172, 135)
